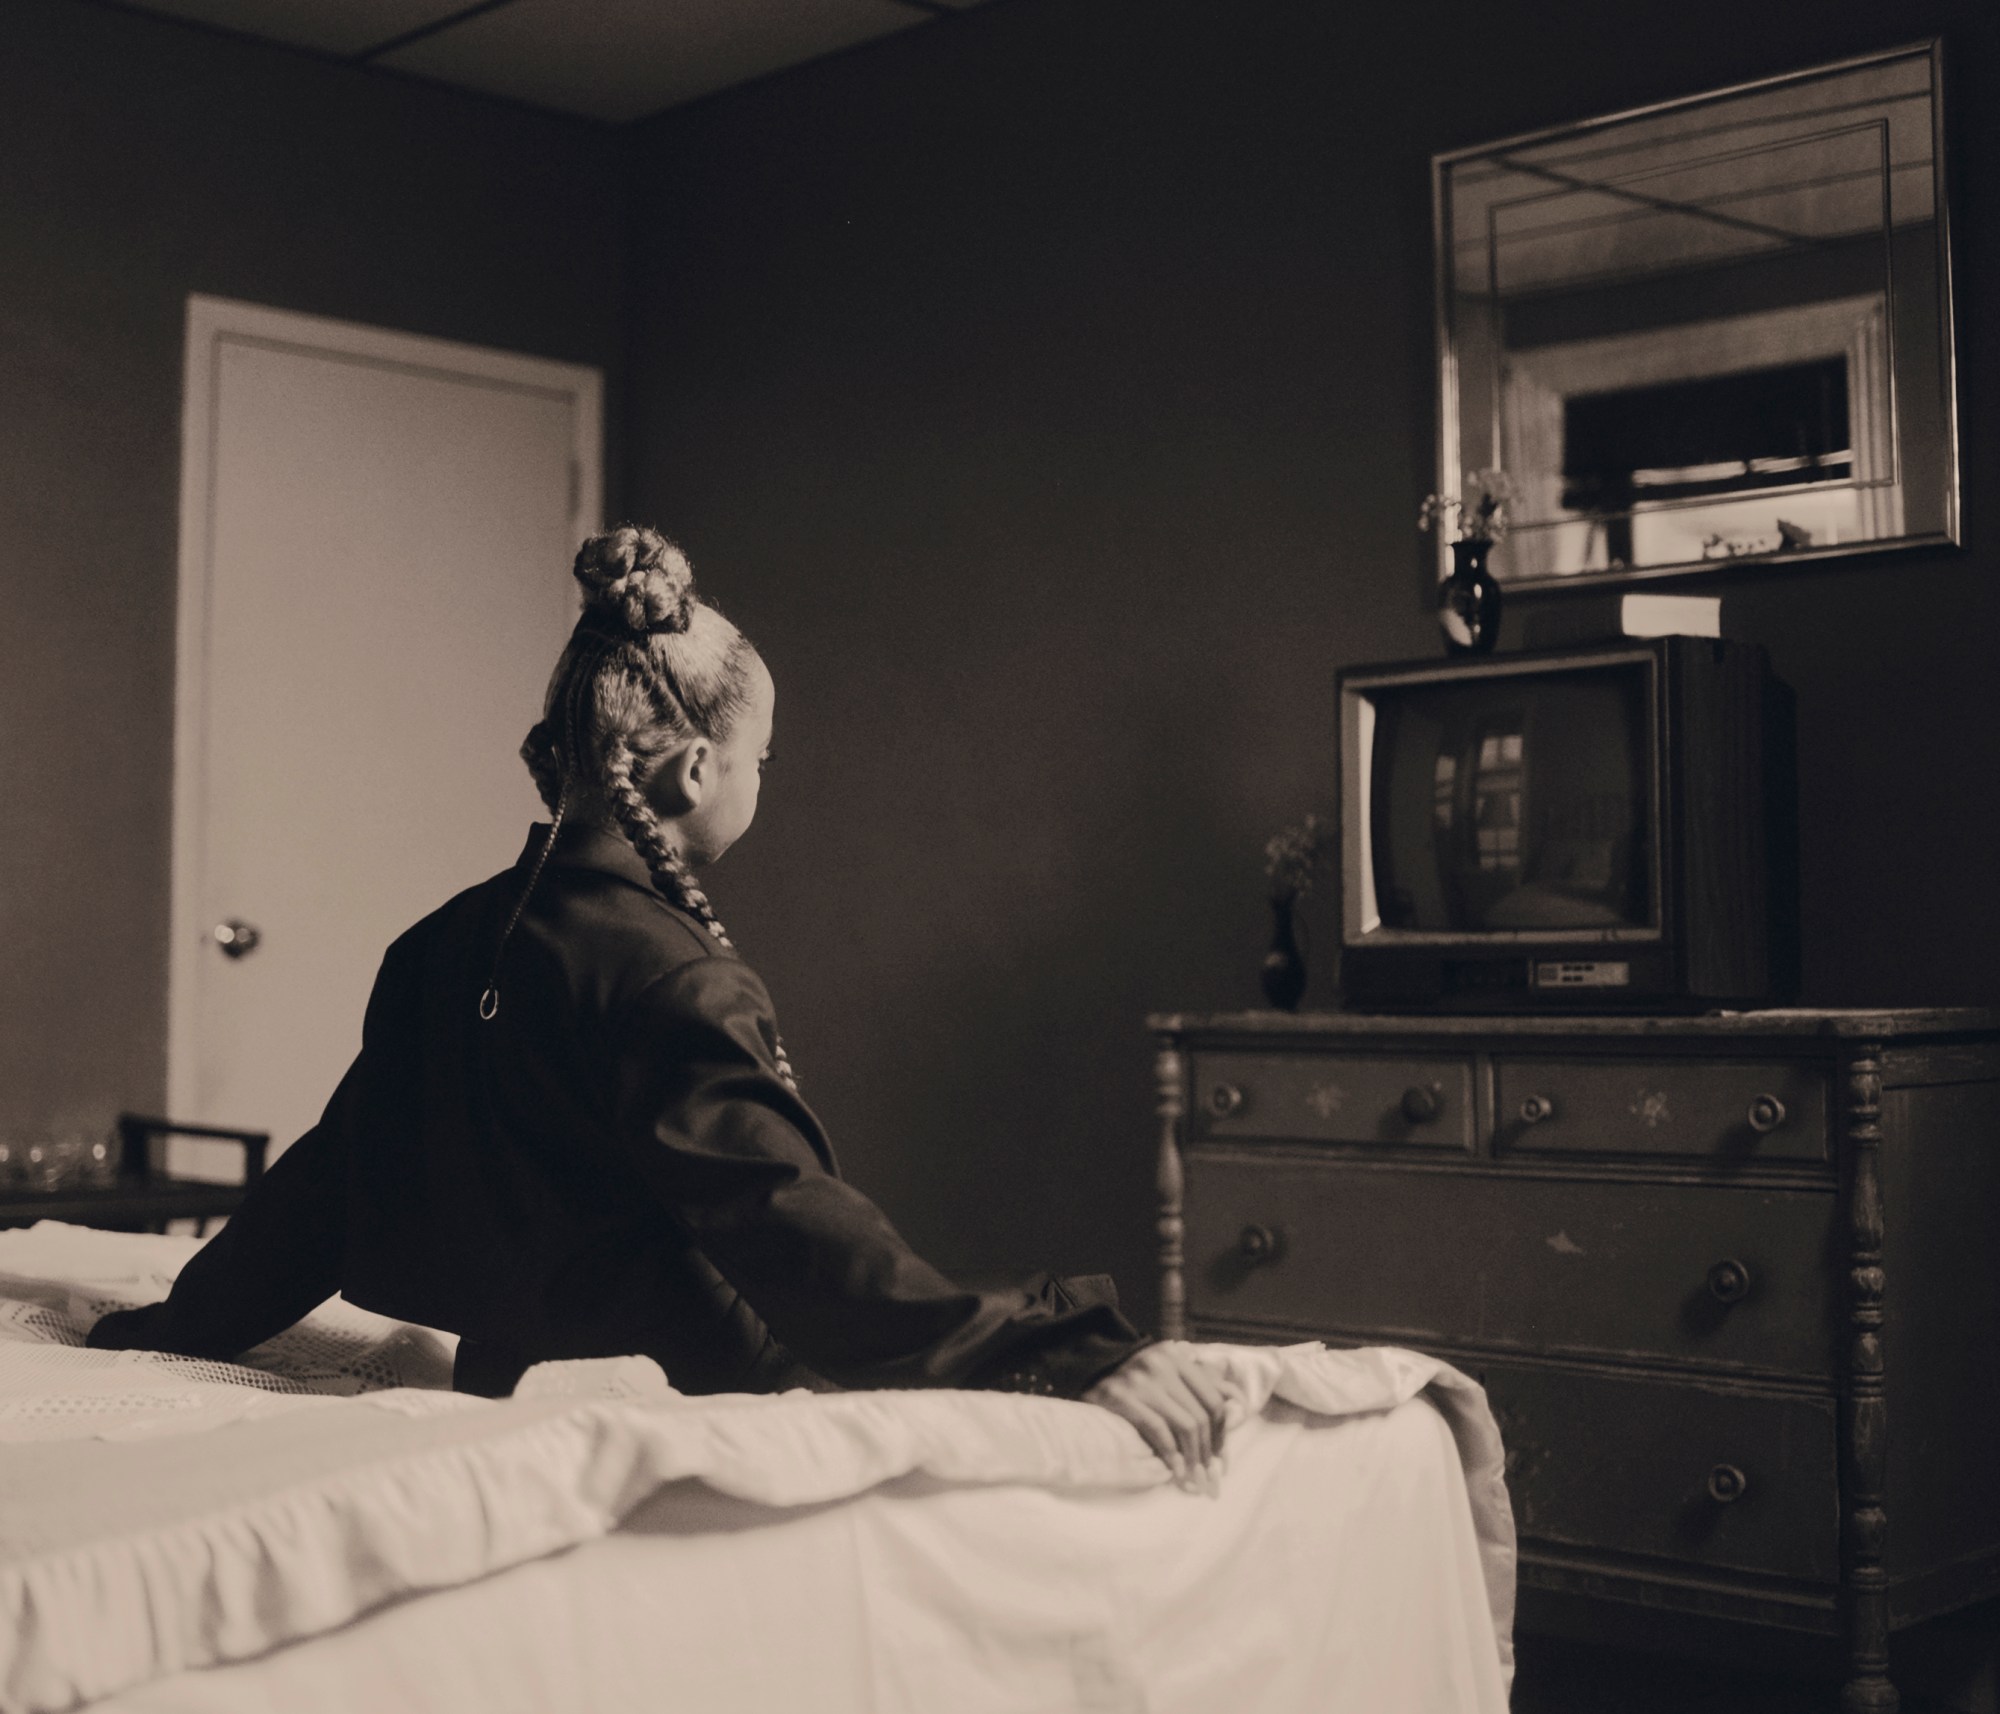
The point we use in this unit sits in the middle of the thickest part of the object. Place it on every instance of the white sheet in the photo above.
(1003, 1553)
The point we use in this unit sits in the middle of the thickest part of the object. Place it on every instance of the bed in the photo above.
(325, 1526)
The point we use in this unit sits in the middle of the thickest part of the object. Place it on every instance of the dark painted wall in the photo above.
(1049, 391)
(143, 161)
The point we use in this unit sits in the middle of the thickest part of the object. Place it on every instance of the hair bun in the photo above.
(636, 579)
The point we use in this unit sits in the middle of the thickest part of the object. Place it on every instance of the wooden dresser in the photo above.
(1732, 1282)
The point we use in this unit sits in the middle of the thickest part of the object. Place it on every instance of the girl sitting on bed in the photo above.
(572, 1130)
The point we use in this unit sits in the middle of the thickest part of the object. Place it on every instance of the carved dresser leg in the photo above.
(1864, 1426)
(1169, 1068)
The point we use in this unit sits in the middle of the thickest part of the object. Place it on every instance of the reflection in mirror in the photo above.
(1712, 330)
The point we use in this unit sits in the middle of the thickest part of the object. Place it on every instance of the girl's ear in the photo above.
(679, 780)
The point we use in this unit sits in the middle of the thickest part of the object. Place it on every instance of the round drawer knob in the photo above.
(1767, 1113)
(1729, 1282)
(1423, 1103)
(1537, 1108)
(1257, 1243)
(1224, 1100)
(1726, 1484)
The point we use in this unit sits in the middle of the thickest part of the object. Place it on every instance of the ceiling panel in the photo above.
(624, 59)
(330, 26)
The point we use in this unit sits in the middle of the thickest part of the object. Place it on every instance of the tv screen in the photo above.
(1514, 803)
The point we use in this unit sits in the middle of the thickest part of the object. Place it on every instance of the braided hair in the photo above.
(648, 668)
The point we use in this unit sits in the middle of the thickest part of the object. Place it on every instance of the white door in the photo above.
(375, 543)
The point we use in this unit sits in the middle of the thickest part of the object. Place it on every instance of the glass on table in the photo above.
(37, 1168)
(100, 1171)
(64, 1160)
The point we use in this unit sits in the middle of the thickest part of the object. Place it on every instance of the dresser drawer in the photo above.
(1672, 1470)
(1707, 1273)
(1411, 1099)
(1727, 1110)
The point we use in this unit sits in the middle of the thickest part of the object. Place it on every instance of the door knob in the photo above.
(235, 938)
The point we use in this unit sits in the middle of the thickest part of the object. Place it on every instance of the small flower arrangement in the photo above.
(1293, 858)
(1480, 512)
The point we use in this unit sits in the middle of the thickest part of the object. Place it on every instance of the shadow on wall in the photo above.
(1899, 746)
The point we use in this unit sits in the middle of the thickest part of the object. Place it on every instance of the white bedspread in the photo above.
(159, 1519)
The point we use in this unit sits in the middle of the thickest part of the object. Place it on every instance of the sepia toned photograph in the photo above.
(999, 857)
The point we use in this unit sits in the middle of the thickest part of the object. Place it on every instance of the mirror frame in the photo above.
(1450, 469)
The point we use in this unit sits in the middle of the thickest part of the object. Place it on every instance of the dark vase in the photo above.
(1284, 972)
(1469, 601)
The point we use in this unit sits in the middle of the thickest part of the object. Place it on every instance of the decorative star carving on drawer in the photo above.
(1650, 1108)
(1326, 1099)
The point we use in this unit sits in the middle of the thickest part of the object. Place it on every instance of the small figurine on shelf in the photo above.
(1292, 859)
(1469, 599)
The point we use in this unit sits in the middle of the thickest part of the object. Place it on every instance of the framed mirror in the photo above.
(1716, 329)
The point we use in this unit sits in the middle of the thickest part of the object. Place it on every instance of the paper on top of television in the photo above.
(1670, 615)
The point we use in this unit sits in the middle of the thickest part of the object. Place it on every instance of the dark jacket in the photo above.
(611, 1164)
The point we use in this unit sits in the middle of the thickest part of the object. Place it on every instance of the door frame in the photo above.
(212, 324)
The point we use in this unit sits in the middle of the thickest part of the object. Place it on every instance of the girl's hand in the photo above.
(1176, 1405)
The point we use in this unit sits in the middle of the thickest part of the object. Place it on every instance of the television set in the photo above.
(1603, 828)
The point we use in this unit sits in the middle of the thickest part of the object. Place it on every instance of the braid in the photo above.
(648, 666)
(669, 870)
(642, 828)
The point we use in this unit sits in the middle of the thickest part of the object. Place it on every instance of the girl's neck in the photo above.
(595, 817)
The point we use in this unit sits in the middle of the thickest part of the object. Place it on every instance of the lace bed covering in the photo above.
(57, 1280)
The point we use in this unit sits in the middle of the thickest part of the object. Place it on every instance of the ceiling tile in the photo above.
(623, 59)
(330, 26)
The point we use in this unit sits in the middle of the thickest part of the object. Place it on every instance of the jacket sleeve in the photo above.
(742, 1163)
(274, 1262)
